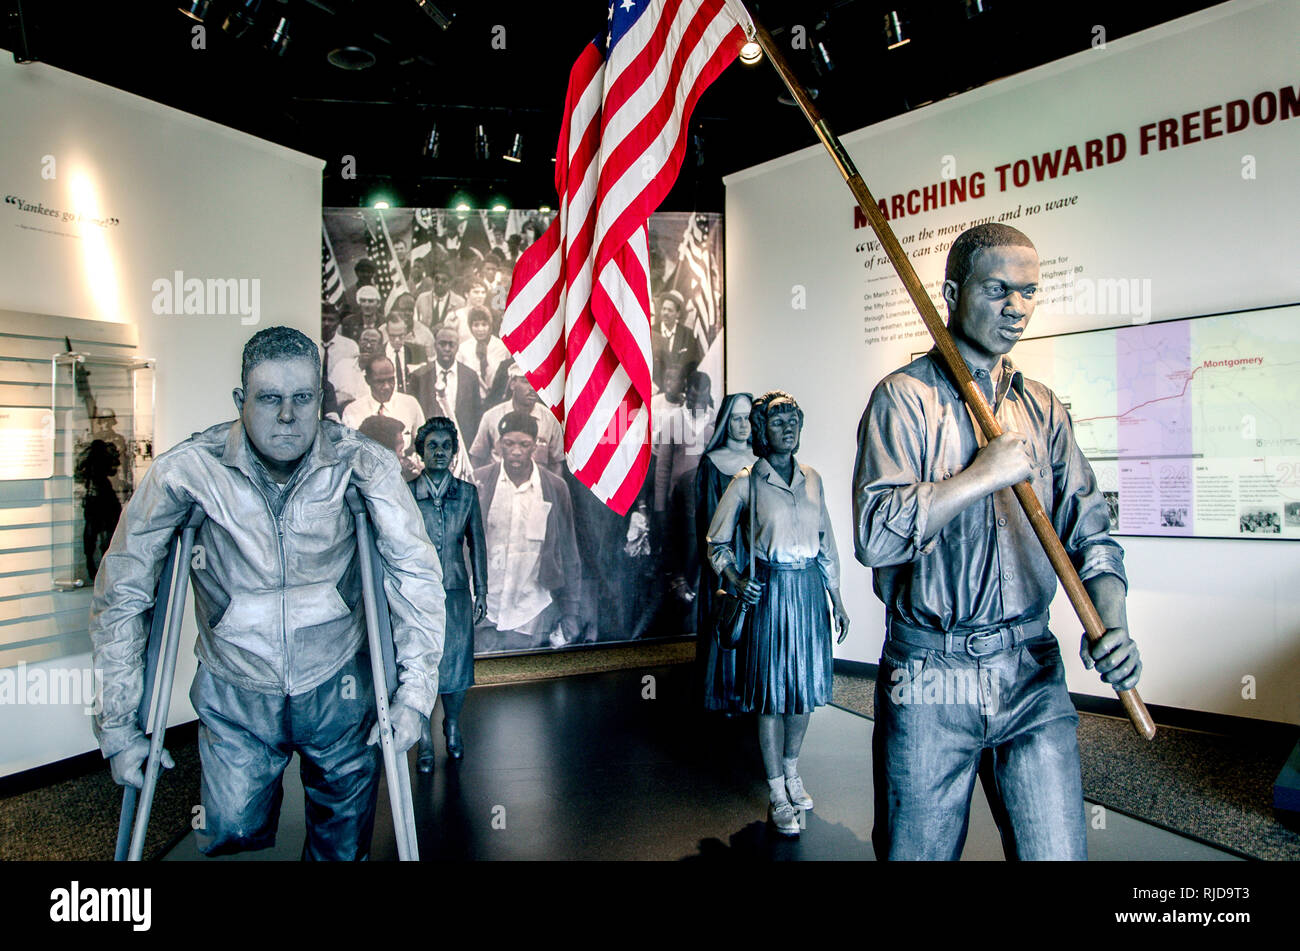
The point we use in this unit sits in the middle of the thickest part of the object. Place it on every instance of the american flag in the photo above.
(423, 232)
(331, 282)
(379, 248)
(578, 316)
(697, 282)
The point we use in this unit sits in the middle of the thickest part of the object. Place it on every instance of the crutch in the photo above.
(383, 667)
(164, 639)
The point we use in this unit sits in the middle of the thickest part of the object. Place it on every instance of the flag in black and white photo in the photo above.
(331, 282)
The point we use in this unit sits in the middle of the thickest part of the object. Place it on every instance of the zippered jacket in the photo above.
(277, 599)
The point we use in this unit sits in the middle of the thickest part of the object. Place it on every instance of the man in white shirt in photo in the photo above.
(382, 399)
(534, 570)
(336, 353)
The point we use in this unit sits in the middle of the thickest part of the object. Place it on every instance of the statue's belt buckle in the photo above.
(995, 635)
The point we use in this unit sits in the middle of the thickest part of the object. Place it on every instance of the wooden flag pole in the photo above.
(1056, 554)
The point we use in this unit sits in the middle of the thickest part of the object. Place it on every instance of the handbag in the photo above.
(730, 611)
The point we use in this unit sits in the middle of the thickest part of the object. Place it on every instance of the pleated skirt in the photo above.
(784, 662)
(456, 669)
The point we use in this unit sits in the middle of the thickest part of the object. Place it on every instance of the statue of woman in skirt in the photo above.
(450, 509)
(783, 662)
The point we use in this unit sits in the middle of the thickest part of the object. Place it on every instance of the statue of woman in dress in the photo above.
(453, 520)
(783, 661)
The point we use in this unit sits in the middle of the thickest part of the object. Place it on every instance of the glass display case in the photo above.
(103, 409)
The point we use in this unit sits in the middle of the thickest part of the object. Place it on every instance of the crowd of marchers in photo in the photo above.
(431, 346)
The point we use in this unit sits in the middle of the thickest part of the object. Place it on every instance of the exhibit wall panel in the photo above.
(122, 210)
(1156, 176)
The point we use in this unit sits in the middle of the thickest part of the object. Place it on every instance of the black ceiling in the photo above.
(459, 77)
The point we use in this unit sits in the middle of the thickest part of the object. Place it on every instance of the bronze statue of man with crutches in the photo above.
(282, 623)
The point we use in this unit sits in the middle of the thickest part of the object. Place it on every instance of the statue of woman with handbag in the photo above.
(783, 656)
(726, 454)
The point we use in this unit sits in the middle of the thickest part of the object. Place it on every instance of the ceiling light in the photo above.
(279, 41)
(462, 207)
(437, 14)
(432, 143)
(351, 58)
(751, 53)
(894, 37)
(242, 18)
(821, 58)
(196, 9)
(516, 149)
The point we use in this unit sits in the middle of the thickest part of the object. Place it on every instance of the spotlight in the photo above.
(380, 203)
(196, 9)
(821, 58)
(279, 41)
(544, 209)
(516, 149)
(432, 143)
(975, 7)
(751, 53)
(481, 149)
(351, 58)
(242, 18)
(437, 15)
(894, 37)
(462, 207)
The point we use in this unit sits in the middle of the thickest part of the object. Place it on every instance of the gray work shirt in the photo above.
(985, 568)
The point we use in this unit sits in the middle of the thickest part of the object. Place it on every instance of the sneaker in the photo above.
(798, 795)
(782, 815)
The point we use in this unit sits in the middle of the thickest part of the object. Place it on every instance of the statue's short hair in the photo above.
(436, 424)
(277, 343)
(382, 429)
(763, 407)
(961, 256)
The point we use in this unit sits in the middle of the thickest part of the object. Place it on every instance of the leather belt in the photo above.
(976, 643)
(797, 565)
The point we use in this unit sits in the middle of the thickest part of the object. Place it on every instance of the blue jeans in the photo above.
(942, 717)
(245, 741)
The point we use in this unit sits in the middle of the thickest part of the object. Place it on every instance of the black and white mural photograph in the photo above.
(425, 290)
(709, 432)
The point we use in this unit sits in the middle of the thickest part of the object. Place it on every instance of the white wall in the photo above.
(1206, 613)
(189, 195)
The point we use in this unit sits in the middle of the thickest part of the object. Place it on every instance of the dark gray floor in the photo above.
(588, 768)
